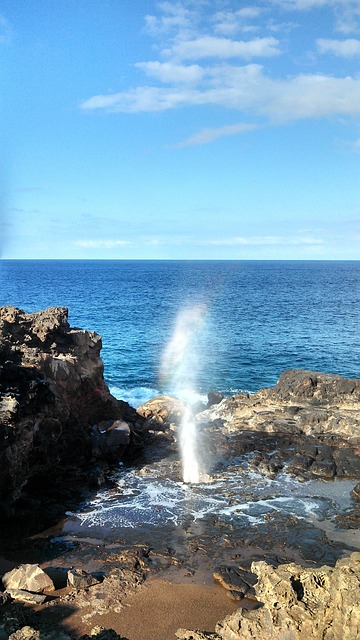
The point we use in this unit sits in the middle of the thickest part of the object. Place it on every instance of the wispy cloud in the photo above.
(5, 31)
(171, 72)
(344, 48)
(212, 47)
(102, 244)
(264, 241)
(347, 12)
(206, 136)
(202, 62)
(245, 88)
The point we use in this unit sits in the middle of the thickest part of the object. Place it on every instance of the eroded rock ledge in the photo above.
(308, 425)
(298, 603)
(56, 412)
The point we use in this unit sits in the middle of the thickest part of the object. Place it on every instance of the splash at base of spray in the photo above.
(188, 442)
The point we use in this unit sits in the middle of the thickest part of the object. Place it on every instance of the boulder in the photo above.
(79, 579)
(111, 439)
(214, 397)
(236, 580)
(21, 595)
(161, 413)
(29, 577)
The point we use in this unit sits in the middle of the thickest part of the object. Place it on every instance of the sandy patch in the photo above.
(160, 607)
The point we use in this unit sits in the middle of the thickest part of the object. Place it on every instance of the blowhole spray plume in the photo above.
(180, 365)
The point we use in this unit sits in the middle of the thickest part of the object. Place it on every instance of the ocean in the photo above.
(259, 318)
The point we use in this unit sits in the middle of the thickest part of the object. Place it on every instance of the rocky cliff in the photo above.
(55, 408)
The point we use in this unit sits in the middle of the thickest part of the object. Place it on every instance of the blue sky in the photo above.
(194, 129)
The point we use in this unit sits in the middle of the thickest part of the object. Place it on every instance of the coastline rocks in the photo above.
(317, 604)
(301, 402)
(308, 425)
(52, 393)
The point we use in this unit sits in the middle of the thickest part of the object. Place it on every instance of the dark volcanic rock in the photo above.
(52, 393)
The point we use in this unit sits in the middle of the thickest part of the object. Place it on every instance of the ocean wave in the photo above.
(135, 396)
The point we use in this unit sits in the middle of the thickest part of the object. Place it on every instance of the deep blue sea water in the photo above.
(262, 317)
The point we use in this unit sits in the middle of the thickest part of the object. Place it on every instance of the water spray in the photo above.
(180, 366)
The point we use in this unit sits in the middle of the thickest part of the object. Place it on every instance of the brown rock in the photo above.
(161, 412)
(316, 604)
(79, 579)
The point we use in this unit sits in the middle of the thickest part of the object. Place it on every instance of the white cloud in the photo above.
(344, 48)
(102, 244)
(209, 135)
(228, 23)
(172, 73)
(347, 12)
(213, 47)
(174, 16)
(178, 79)
(245, 88)
(301, 5)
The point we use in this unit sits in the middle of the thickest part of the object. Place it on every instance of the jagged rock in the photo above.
(161, 412)
(79, 579)
(25, 633)
(325, 469)
(185, 634)
(52, 393)
(111, 438)
(356, 492)
(236, 580)
(214, 397)
(317, 604)
(4, 598)
(29, 633)
(29, 577)
(21, 595)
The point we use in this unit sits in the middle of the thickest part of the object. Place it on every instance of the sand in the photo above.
(157, 610)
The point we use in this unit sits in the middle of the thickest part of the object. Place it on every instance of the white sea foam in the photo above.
(135, 396)
(139, 501)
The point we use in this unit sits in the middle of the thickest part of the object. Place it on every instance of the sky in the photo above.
(197, 129)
